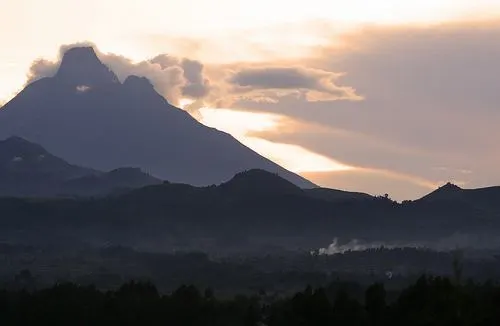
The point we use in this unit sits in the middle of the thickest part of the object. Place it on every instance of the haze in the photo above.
(390, 97)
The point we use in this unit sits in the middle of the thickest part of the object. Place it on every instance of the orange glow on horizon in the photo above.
(292, 157)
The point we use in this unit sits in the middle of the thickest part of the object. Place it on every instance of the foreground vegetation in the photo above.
(429, 301)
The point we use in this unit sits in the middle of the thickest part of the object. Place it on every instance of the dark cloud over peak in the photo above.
(313, 84)
(197, 84)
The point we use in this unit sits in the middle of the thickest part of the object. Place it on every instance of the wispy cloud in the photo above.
(274, 82)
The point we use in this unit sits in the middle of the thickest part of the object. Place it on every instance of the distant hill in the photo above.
(259, 182)
(447, 192)
(27, 169)
(86, 116)
(118, 180)
(254, 209)
(483, 200)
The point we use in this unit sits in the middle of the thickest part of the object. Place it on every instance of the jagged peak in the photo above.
(138, 82)
(81, 52)
(81, 66)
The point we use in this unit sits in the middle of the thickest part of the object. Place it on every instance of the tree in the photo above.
(375, 303)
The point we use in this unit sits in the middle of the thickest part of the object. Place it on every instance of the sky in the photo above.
(393, 96)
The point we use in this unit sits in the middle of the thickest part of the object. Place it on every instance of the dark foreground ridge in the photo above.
(252, 211)
(429, 301)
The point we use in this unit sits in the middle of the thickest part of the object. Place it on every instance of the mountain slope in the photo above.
(101, 184)
(335, 195)
(27, 169)
(485, 200)
(20, 158)
(85, 115)
(447, 192)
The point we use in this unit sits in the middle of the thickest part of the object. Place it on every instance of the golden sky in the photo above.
(226, 35)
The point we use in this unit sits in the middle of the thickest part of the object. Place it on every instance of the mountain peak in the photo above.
(15, 140)
(80, 66)
(260, 181)
(18, 145)
(138, 83)
(450, 187)
(445, 192)
(81, 52)
(16, 151)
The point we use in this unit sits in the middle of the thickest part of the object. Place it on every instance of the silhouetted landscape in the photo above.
(117, 208)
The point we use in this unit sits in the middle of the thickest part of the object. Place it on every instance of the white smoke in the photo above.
(354, 245)
(450, 243)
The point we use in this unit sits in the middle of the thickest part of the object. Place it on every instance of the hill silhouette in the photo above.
(336, 195)
(259, 182)
(449, 191)
(86, 116)
(27, 169)
(118, 180)
(255, 209)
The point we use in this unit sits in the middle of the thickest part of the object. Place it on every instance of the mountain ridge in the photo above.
(236, 213)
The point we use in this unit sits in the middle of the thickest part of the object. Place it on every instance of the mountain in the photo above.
(482, 199)
(447, 192)
(260, 182)
(85, 115)
(451, 193)
(27, 169)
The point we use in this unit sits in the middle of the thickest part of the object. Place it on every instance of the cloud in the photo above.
(269, 83)
(197, 85)
(174, 78)
(430, 100)
(41, 68)
(220, 86)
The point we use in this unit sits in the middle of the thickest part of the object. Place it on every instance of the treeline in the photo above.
(429, 301)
